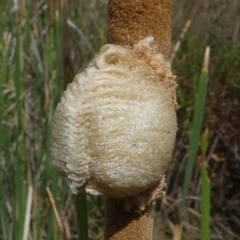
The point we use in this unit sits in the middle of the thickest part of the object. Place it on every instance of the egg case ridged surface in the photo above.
(114, 129)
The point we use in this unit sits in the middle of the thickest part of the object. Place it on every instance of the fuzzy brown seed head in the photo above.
(114, 129)
(133, 20)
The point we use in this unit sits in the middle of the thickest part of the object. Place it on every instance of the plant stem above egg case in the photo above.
(130, 21)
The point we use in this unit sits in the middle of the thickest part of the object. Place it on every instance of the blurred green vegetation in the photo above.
(33, 51)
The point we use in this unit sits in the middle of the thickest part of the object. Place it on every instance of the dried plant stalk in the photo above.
(127, 225)
(129, 22)
(132, 20)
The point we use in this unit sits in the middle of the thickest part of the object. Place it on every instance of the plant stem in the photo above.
(82, 217)
(132, 20)
(127, 225)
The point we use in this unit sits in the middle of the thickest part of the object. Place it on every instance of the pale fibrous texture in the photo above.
(114, 129)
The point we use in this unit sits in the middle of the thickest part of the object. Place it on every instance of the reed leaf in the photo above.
(197, 125)
(205, 190)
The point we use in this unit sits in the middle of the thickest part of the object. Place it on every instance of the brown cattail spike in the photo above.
(132, 20)
(125, 225)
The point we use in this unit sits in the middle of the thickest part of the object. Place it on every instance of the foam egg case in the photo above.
(114, 129)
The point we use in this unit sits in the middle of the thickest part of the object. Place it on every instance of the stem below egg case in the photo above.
(127, 225)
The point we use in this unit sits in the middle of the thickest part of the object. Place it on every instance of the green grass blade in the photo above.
(19, 197)
(4, 59)
(197, 125)
(82, 216)
(58, 47)
(4, 71)
(205, 191)
(56, 38)
(205, 203)
(3, 226)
